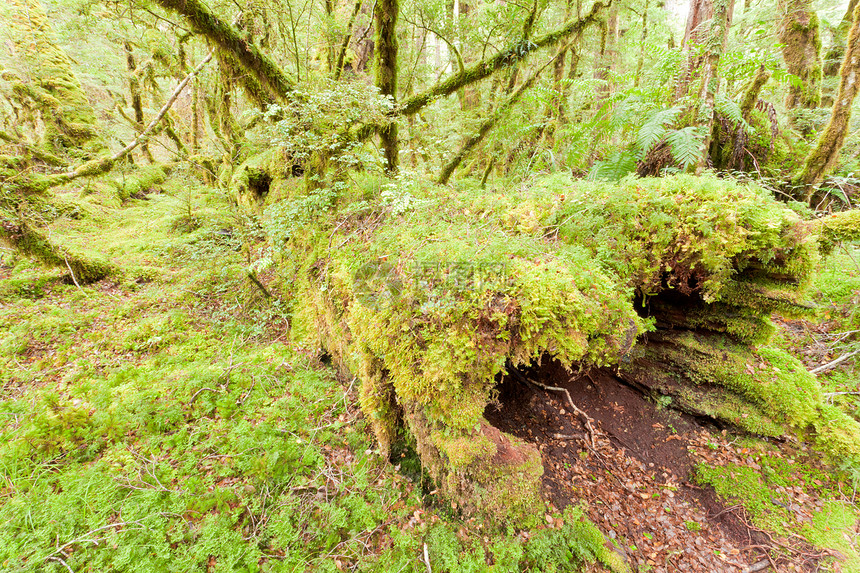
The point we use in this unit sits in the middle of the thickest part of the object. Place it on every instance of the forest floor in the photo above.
(164, 420)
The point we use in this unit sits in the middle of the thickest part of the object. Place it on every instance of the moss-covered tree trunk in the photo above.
(801, 49)
(606, 55)
(134, 94)
(836, 52)
(640, 60)
(69, 118)
(716, 44)
(826, 151)
(385, 14)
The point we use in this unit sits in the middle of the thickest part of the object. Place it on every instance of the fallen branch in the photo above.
(759, 566)
(834, 363)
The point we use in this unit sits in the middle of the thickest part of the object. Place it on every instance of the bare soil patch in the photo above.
(636, 479)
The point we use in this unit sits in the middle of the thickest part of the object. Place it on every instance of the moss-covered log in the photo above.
(799, 33)
(671, 280)
(19, 232)
(823, 157)
(68, 115)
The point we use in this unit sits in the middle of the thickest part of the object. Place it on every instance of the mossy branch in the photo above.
(227, 38)
(489, 123)
(753, 90)
(40, 184)
(514, 53)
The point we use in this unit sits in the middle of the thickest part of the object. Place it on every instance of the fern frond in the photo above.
(685, 145)
(615, 167)
(654, 129)
(730, 109)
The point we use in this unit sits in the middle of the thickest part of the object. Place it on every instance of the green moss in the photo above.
(839, 227)
(748, 486)
(140, 182)
(430, 300)
(831, 528)
(69, 117)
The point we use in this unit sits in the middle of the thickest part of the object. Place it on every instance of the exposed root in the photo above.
(586, 419)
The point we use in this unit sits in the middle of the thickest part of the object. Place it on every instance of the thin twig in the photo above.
(71, 272)
(427, 559)
(61, 562)
(834, 363)
(194, 397)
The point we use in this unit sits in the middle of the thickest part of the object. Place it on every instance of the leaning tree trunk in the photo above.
(801, 49)
(385, 14)
(69, 117)
(826, 152)
(834, 56)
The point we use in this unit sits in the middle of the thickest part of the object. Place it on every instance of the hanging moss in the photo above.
(68, 115)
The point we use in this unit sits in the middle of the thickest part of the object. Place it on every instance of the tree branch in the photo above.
(514, 53)
(228, 39)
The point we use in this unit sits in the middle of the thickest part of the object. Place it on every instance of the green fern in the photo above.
(731, 110)
(615, 167)
(653, 131)
(685, 145)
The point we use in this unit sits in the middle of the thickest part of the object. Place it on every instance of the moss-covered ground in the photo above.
(162, 420)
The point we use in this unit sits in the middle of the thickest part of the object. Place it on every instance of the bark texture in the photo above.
(227, 38)
(385, 13)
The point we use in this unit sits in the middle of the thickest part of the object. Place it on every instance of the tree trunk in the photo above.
(836, 53)
(801, 50)
(136, 100)
(341, 55)
(826, 152)
(640, 61)
(68, 115)
(604, 59)
(719, 32)
(385, 14)
(695, 32)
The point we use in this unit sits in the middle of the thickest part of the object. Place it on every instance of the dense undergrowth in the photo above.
(163, 420)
